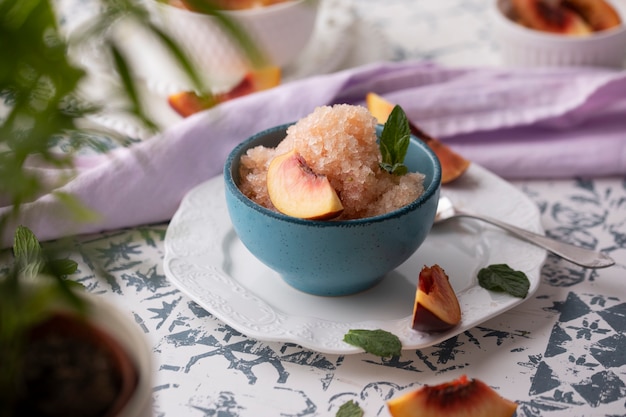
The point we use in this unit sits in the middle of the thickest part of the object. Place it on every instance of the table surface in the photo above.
(560, 352)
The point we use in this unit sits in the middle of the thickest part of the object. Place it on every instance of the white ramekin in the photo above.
(524, 47)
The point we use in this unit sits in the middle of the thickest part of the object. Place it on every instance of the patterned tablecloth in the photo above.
(562, 352)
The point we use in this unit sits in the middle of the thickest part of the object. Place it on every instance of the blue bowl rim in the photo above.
(428, 193)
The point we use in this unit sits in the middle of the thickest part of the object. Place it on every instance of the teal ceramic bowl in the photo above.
(332, 258)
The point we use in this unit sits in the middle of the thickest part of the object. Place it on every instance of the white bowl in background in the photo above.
(524, 47)
(281, 31)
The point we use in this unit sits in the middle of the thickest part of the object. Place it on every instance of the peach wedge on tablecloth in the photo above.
(462, 397)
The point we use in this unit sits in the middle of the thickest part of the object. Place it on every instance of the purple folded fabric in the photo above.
(542, 123)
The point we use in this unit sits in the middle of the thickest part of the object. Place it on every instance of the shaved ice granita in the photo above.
(334, 151)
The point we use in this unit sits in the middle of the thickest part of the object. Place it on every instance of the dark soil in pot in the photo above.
(71, 369)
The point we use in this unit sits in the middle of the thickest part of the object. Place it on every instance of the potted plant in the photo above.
(63, 352)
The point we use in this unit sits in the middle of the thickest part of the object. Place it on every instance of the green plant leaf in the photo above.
(31, 261)
(394, 142)
(350, 409)
(41, 102)
(62, 267)
(502, 278)
(27, 252)
(181, 58)
(377, 342)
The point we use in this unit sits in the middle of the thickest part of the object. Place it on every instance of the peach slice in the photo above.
(453, 165)
(549, 17)
(459, 398)
(295, 190)
(599, 14)
(255, 80)
(436, 307)
(186, 103)
(378, 106)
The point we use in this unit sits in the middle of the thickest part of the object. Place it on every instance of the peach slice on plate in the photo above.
(453, 165)
(297, 191)
(462, 397)
(186, 103)
(436, 306)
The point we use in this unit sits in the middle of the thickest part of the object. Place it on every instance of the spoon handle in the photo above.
(580, 256)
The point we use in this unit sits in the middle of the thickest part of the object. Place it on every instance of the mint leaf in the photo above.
(394, 142)
(377, 342)
(31, 261)
(62, 267)
(502, 278)
(30, 258)
(349, 409)
(27, 251)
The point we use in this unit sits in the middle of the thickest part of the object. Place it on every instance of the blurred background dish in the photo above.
(522, 46)
(281, 31)
(330, 48)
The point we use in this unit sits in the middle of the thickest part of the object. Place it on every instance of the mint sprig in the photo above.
(394, 142)
(378, 342)
(502, 278)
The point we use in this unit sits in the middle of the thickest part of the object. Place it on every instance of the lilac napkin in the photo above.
(548, 123)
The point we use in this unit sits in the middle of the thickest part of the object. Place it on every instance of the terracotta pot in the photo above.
(98, 365)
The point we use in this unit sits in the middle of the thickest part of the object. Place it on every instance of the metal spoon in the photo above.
(579, 256)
